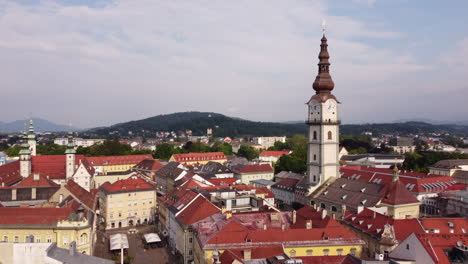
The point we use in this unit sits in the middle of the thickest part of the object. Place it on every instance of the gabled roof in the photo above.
(82, 195)
(10, 173)
(450, 164)
(171, 170)
(351, 193)
(395, 193)
(197, 210)
(274, 153)
(373, 223)
(287, 184)
(118, 160)
(194, 157)
(445, 225)
(223, 181)
(252, 168)
(149, 165)
(36, 181)
(415, 182)
(436, 244)
(132, 184)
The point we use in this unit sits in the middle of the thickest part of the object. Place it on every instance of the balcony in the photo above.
(319, 122)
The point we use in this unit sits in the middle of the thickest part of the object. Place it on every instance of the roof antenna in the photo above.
(324, 26)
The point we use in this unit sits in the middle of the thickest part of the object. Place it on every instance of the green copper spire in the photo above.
(24, 145)
(31, 135)
(70, 145)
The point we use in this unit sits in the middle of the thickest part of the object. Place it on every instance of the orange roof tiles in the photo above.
(36, 181)
(434, 244)
(446, 225)
(118, 160)
(133, 183)
(195, 157)
(149, 164)
(274, 153)
(197, 210)
(82, 195)
(373, 223)
(9, 173)
(395, 193)
(252, 168)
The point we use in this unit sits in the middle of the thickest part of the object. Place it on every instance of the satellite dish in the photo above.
(459, 243)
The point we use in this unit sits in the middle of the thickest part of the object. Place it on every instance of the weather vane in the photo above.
(324, 25)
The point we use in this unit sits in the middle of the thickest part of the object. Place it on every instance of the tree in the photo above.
(164, 151)
(247, 152)
(13, 151)
(222, 147)
(50, 149)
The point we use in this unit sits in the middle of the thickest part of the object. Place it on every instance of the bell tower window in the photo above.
(329, 135)
(315, 135)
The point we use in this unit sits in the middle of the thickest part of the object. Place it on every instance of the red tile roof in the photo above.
(252, 168)
(9, 173)
(82, 195)
(395, 193)
(36, 181)
(373, 223)
(434, 244)
(249, 227)
(415, 182)
(195, 157)
(197, 210)
(286, 184)
(53, 166)
(133, 183)
(228, 256)
(118, 160)
(36, 215)
(446, 225)
(149, 164)
(268, 193)
(223, 181)
(274, 153)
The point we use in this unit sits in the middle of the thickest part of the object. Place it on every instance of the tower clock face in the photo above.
(331, 107)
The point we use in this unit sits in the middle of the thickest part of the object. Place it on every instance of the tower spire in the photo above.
(323, 82)
(396, 176)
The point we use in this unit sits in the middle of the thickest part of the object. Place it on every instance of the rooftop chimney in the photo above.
(36, 176)
(309, 224)
(72, 250)
(247, 254)
(324, 213)
(294, 216)
(333, 215)
(283, 226)
(264, 227)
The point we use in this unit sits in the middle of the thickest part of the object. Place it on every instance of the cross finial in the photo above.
(324, 25)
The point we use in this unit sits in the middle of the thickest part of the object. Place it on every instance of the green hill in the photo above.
(223, 126)
(198, 122)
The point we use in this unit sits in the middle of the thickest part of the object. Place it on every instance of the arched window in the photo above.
(329, 135)
(333, 208)
(322, 205)
(315, 135)
(312, 203)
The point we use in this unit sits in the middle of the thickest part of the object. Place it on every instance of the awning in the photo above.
(117, 240)
(152, 237)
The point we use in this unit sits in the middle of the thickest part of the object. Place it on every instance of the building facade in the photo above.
(127, 202)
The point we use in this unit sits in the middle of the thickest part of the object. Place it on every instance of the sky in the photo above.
(100, 62)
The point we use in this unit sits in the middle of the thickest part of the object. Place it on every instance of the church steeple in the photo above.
(323, 82)
(32, 138)
(25, 157)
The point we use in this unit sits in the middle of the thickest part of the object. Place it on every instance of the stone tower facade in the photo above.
(323, 121)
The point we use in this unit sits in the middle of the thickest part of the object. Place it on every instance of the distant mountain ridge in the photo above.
(40, 125)
(223, 126)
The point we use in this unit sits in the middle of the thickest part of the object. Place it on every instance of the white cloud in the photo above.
(132, 59)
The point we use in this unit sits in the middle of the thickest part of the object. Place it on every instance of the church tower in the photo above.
(70, 153)
(323, 121)
(32, 138)
(25, 157)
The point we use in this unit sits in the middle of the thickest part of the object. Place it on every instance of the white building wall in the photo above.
(411, 249)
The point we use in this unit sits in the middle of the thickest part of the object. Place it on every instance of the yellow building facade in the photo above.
(127, 202)
(199, 158)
